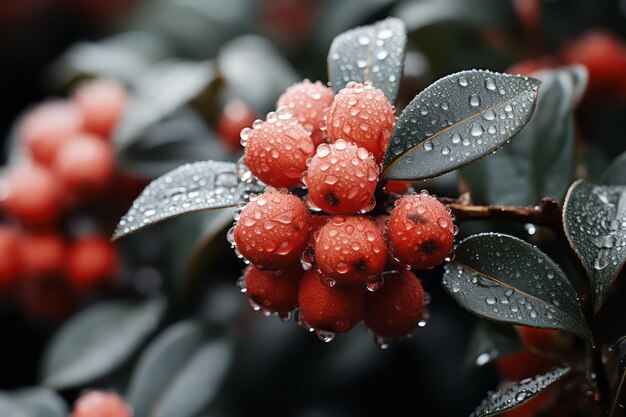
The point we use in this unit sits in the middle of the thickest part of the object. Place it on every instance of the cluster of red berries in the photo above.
(329, 254)
(63, 165)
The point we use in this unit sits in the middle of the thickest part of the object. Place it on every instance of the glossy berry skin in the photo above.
(102, 103)
(363, 115)
(101, 404)
(10, 264)
(397, 187)
(273, 230)
(308, 101)
(85, 165)
(235, 117)
(274, 291)
(351, 250)
(342, 178)
(277, 150)
(92, 261)
(336, 309)
(43, 254)
(47, 127)
(420, 231)
(34, 195)
(396, 308)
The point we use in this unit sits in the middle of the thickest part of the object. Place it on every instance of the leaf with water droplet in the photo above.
(373, 53)
(517, 394)
(504, 279)
(472, 98)
(491, 341)
(516, 174)
(615, 173)
(189, 188)
(594, 217)
(184, 362)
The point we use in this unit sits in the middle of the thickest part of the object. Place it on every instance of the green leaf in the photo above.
(190, 188)
(32, 402)
(517, 394)
(491, 341)
(615, 173)
(456, 120)
(516, 174)
(594, 217)
(180, 373)
(504, 279)
(373, 53)
(98, 340)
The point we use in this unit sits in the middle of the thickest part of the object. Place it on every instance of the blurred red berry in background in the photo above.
(91, 262)
(102, 103)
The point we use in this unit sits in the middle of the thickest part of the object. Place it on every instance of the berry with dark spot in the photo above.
(328, 308)
(277, 149)
(351, 250)
(396, 308)
(308, 101)
(273, 230)
(420, 231)
(342, 178)
(274, 291)
(363, 115)
(101, 404)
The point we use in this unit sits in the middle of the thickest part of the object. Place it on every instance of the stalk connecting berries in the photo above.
(356, 255)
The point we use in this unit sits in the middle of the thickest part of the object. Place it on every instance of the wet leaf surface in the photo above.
(505, 279)
(190, 188)
(180, 372)
(84, 349)
(373, 53)
(456, 120)
(594, 217)
(517, 394)
(490, 341)
(516, 174)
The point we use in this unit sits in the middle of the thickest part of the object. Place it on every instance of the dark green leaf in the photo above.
(456, 120)
(615, 173)
(490, 341)
(594, 217)
(98, 340)
(505, 279)
(516, 174)
(255, 71)
(190, 188)
(373, 53)
(517, 394)
(32, 402)
(179, 373)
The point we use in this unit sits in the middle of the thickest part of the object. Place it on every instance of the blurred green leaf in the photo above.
(504, 279)
(491, 341)
(32, 402)
(615, 173)
(98, 340)
(373, 53)
(594, 217)
(518, 173)
(456, 120)
(180, 373)
(517, 394)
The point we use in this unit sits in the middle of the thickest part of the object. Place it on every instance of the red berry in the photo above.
(277, 149)
(363, 115)
(539, 339)
(326, 308)
(342, 178)
(274, 291)
(46, 297)
(92, 261)
(101, 404)
(522, 365)
(420, 230)
(397, 187)
(351, 250)
(396, 308)
(10, 264)
(273, 230)
(308, 101)
(48, 126)
(102, 103)
(34, 195)
(235, 117)
(85, 165)
(43, 254)
(317, 222)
